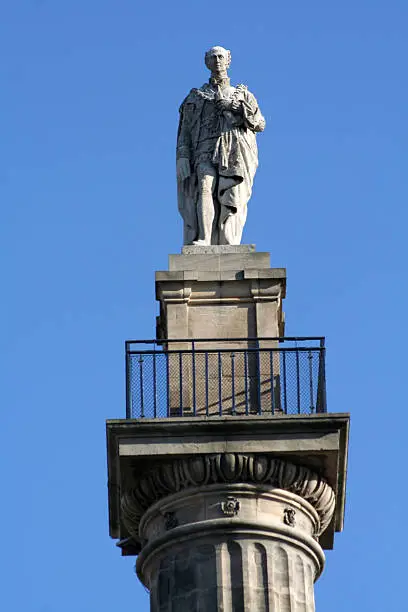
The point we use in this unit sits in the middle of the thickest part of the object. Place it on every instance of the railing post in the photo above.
(219, 383)
(206, 382)
(141, 386)
(128, 381)
(285, 393)
(154, 385)
(246, 381)
(271, 356)
(167, 382)
(321, 386)
(298, 381)
(310, 358)
(233, 382)
(194, 378)
(324, 381)
(258, 377)
(181, 381)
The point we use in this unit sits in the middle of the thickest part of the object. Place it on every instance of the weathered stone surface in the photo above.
(230, 295)
(222, 275)
(248, 575)
(247, 558)
(210, 261)
(217, 249)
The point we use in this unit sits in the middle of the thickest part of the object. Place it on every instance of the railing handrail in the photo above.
(255, 349)
(240, 339)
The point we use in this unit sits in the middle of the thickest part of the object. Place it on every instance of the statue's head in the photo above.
(218, 59)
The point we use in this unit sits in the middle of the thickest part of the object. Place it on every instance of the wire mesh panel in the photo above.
(231, 378)
(299, 381)
(147, 382)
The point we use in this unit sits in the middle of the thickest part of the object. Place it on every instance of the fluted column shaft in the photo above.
(250, 560)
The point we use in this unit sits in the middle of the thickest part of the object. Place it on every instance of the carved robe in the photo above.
(226, 140)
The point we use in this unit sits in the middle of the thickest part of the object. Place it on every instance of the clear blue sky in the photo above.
(90, 91)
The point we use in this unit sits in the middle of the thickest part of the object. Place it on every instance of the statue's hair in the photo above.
(218, 48)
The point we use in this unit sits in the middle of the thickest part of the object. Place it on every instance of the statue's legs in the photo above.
(233, 199)
(231, 229)
(206, 209)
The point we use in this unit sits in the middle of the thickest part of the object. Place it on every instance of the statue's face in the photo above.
(217, 60)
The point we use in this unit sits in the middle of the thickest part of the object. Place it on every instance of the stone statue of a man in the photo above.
(217, 156)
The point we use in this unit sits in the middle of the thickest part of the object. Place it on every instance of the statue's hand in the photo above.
(236, 106)
(183, 168)
(223, 105)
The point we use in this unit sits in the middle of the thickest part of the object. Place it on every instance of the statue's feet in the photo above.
(200, 243)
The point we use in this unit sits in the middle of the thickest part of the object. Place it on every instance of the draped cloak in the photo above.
(235, 157)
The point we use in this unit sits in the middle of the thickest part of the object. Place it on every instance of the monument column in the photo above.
(227, 478)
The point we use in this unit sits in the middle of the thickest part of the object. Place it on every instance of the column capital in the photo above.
(263, 472)
(228, 531)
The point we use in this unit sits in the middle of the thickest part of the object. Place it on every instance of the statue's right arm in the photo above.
(183, 146)
(183, 168)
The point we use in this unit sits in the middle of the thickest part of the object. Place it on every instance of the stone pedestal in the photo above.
(220, 292)
(214, 294)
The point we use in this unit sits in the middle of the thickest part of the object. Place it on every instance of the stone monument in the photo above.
(227, 478)
(217, 156)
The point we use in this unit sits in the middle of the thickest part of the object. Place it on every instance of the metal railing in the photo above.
(213, 377)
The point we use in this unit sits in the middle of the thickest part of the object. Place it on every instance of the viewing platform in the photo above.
(220, 377)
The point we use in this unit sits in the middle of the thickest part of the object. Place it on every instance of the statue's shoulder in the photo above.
(188, 100)
(195, 94)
